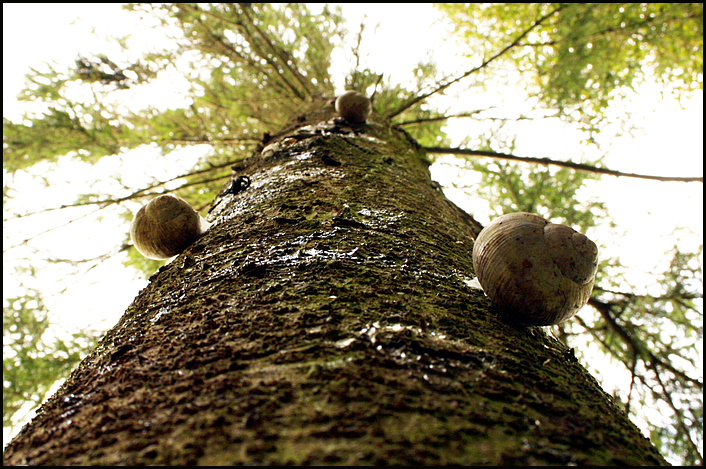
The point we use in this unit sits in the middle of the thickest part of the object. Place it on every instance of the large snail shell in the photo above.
(166, 226)
(354, 107)
(540, 273)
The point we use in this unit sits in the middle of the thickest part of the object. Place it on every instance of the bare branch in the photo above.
(485, 63)
(135, 195)
(108, 202)
(565, 164)
(443, 117)
(635, 344)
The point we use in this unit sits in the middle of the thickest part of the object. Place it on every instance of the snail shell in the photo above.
(166, 226)
(354, 107)
(540, 273)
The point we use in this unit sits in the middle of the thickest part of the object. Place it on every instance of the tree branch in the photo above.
(444, 117)
(103, 203)
(255, 47)
(107, 202)
(565, 164)
(637, 347)
(277, 53)
(485, 63)
(666, 395)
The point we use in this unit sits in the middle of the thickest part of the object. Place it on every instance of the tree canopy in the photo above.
(240, 71)
(580, 56)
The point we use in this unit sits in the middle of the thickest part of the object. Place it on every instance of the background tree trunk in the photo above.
(326, 318)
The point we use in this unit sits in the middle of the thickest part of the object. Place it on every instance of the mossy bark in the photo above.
(326, 318)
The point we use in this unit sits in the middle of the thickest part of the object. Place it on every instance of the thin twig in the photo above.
(485, 63)
(277, 53)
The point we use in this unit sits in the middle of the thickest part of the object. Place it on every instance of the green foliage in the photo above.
(32, 360)
(51, 136)
(583, 55)
(249, 69)
(519, 187)
(73, 113)
(261, 61)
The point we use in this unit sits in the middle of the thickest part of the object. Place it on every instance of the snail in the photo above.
(354, 107)
(166, 226)
(539, 272)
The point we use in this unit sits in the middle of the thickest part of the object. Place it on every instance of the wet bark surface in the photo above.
(326, 318)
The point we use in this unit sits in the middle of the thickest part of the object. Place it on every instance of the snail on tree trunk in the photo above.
(540, 273)
(354, 107)
(166, 226)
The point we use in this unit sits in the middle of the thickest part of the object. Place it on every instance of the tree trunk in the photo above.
(326, 318)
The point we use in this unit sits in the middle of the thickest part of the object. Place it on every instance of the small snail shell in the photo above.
(166, 226)
(354, 107)
(540, 273)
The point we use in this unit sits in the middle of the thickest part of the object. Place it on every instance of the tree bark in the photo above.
(326, 318)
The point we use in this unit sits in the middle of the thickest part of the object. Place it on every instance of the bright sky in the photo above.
(647, 212)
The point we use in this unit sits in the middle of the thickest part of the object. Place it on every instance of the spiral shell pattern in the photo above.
(540, 273)
(165, 227)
